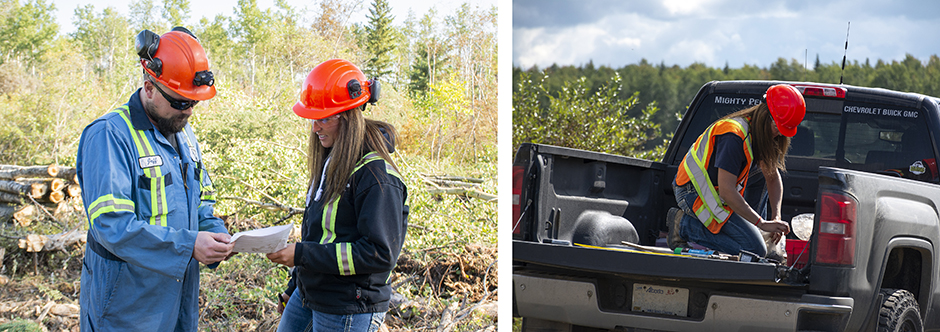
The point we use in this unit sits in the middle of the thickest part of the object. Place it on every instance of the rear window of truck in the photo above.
(842, 133)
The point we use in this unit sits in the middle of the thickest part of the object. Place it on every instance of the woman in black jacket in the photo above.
(355, 218)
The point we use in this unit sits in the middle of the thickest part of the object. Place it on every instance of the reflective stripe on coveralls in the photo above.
(712, 211)
(206, 193)
(344, 250)
(153, 173)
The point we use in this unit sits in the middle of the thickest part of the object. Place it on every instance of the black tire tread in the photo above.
(897, 305)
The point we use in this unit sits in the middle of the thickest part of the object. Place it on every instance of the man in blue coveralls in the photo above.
(149, 198)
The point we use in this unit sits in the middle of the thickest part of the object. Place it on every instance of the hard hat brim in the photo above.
(788, 132)
(314, 113)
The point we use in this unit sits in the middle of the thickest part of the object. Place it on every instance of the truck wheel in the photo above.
(899, 312)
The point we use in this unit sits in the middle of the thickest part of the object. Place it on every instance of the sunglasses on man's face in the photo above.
(176, 103)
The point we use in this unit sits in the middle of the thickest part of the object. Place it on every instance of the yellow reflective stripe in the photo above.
(158, 201)
(711, 201)
(391, 171)
(373, 156)
(158, 204)
(123, 112)
(108, 203)
(344, 259)
(329, 221)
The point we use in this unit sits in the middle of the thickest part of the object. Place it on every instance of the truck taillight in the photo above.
(821, 91)
(516, 197)
(836, 229)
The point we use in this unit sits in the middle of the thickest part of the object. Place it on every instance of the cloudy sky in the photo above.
(715, 32)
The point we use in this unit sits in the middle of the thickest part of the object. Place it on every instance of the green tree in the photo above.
(430, 55)
(143, 15)
(380, 40)
(579, 119)
(176, 11)
(26, 30)
(104, 38)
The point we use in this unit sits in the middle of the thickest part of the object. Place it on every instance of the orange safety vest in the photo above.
(709, 207)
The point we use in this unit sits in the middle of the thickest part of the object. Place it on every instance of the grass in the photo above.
(448, 261)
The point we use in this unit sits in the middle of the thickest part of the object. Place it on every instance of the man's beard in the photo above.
(171, 125)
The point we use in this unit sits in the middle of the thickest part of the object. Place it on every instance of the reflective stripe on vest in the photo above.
(709, 207)
(158, 203)
(344, 255)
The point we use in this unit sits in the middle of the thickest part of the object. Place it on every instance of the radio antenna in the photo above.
(841, 75)
(805, 55)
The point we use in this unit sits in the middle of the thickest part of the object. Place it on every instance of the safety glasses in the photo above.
(176, 103)
(325, 121)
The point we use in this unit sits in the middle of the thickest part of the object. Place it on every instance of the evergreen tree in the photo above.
(380, 41)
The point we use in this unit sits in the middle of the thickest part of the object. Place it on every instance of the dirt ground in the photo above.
(44, 287)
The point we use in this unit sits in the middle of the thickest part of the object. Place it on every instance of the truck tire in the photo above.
(899, 312)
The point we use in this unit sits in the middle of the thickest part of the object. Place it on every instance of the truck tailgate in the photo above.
(640, 264)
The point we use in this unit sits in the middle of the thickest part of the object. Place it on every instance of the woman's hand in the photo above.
(284, 257)
(774, 226)
(282, 302)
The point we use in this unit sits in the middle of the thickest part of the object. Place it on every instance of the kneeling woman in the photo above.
(355, 218)
(710, 183)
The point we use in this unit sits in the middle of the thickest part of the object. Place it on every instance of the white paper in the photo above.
(263, 240)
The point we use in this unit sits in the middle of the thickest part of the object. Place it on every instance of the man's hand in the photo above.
(212, 247)
(284, 257)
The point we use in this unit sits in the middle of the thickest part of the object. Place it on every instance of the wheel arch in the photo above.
(908, 264)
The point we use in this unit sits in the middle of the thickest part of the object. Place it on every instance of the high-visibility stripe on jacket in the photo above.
(343, 250)
(350, 244)
(709, 208)
(142, 198)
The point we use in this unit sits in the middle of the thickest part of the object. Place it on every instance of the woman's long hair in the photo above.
(766, 148)
(355, 137)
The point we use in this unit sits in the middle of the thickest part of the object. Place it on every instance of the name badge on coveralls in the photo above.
(192, 153)
(151, 161)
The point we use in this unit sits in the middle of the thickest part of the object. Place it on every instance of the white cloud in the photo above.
(716, 32)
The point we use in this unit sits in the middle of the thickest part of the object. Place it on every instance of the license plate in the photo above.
(660, 299)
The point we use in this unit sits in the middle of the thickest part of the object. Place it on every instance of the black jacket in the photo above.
(350, 246)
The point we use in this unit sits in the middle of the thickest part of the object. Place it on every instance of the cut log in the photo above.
(56, 196)
(455, 178)
(14, 187)
(30, 172)
(67, 173)
(467, 192)
(6, 212)
(24, 215)
(6, 197)
(74, 190)
(52, 184)
(37, 243)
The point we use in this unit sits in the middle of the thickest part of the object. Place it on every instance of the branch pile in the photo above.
(22, 185)
(457, 185)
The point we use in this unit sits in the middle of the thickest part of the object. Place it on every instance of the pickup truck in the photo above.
(862, 170)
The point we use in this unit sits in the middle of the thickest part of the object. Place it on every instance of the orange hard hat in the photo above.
(178, 61)
(332, 87)
(787, 107)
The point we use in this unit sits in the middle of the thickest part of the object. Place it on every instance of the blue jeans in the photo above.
(737, 233)
(297, 318)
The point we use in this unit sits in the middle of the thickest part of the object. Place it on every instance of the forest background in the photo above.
(633, 110)
(438, 73)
